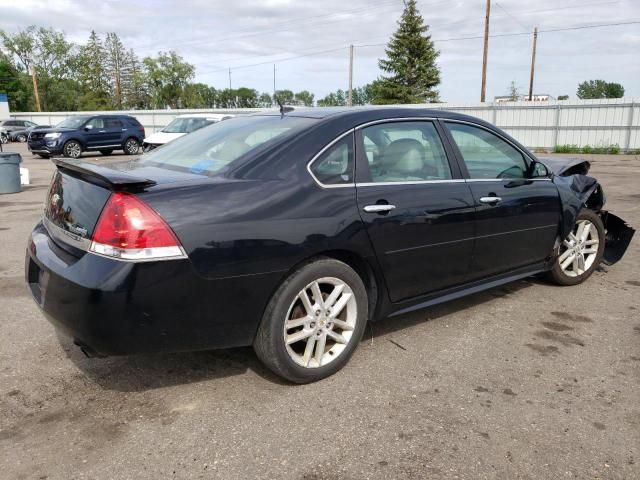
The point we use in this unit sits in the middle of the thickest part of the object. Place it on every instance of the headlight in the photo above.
(52, 135)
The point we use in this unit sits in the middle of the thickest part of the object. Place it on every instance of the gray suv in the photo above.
(8, 126)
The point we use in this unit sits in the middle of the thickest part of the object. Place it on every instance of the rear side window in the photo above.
(112, 123)
(405, 152)
(486, 155)
(209, 150)
(335, 165)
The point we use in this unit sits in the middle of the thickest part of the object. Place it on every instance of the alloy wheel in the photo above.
(73, 149)
(132, 146)
(580, 249)
(320, 322)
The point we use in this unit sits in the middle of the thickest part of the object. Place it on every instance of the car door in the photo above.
(517, 217)
(94, 132)
(114, 132)
(418, 211)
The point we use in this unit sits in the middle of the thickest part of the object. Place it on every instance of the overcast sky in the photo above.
(215, 35)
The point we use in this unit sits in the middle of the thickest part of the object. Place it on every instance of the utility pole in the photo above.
(35, 87)
(350, 98)
(485, 52)
(274, 81)
(533, 62)
(229, 78)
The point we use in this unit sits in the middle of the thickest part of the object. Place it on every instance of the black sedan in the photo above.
(291, 231)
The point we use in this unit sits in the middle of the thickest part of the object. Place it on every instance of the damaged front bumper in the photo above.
(618, 236)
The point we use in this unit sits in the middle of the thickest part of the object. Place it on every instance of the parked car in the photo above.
(23, 134)
(180, 126)
(9, 126)
(290, 232)
(104, 133)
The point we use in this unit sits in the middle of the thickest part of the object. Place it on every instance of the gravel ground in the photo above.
(522, 381)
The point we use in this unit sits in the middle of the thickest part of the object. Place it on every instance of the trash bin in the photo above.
(10, 172)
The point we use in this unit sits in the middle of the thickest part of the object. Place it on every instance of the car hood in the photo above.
(55, 130)
(160, 138)
(565, 166)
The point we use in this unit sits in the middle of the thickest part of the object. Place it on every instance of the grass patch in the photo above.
(612, 149)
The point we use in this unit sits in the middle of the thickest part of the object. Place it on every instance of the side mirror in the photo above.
(539, 170)
(88, 127)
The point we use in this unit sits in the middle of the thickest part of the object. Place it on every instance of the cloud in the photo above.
(217, 35)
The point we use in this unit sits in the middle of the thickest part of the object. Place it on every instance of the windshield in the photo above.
(209, 150)
(186, 125)
(72, 122)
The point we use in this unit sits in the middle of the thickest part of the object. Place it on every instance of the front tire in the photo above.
(131, 146)
(21, 138)
(72, 149)
(314, 322)
(581, 252)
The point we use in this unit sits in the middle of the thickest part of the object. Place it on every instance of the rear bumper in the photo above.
(116, 308)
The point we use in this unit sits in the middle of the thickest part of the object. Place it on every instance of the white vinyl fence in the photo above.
(541, 125)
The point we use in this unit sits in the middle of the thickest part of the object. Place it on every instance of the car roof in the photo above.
(205, 115)
(371, 113)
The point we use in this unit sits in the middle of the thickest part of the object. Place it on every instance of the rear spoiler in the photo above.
(103, 176)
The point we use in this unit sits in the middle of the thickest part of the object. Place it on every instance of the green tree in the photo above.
(286, 97)
(52, 56)
(410, 64)
(15, 84)
(334, 99)
(563, 97)
(199, 95)
(514, 92)
(134, 85)
(167, 76)
(265, 100)
(90, 71)
(305, 98)
(117, 68)
(599, 89)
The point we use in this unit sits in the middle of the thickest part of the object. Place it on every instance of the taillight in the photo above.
(128, 229)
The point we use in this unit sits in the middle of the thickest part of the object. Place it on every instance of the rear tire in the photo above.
(299, 337)
(131, 146)
(581, 252)
(72, 149)
(21, 138)
(107, 151)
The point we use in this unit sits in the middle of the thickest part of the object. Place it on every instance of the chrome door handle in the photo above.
(102, 131)
(490, 199)
(378, 208)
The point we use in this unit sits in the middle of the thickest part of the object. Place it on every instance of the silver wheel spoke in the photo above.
(296, 337)
(340, 304)
(308, 350)
(331, 299)
(581, 267)
(568, 261)
(591, 242)
(317, 294)
(337, 337)
(586, 228)
(342, 325)
(297, 322)
(587, 251)
(306, 303)
(320, 344)
(564, 256)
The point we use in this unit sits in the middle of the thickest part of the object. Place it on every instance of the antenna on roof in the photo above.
(283, 109)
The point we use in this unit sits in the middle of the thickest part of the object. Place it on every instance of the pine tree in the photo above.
(133, 83)
(116, 67)
(92, 74)
(410, 63)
